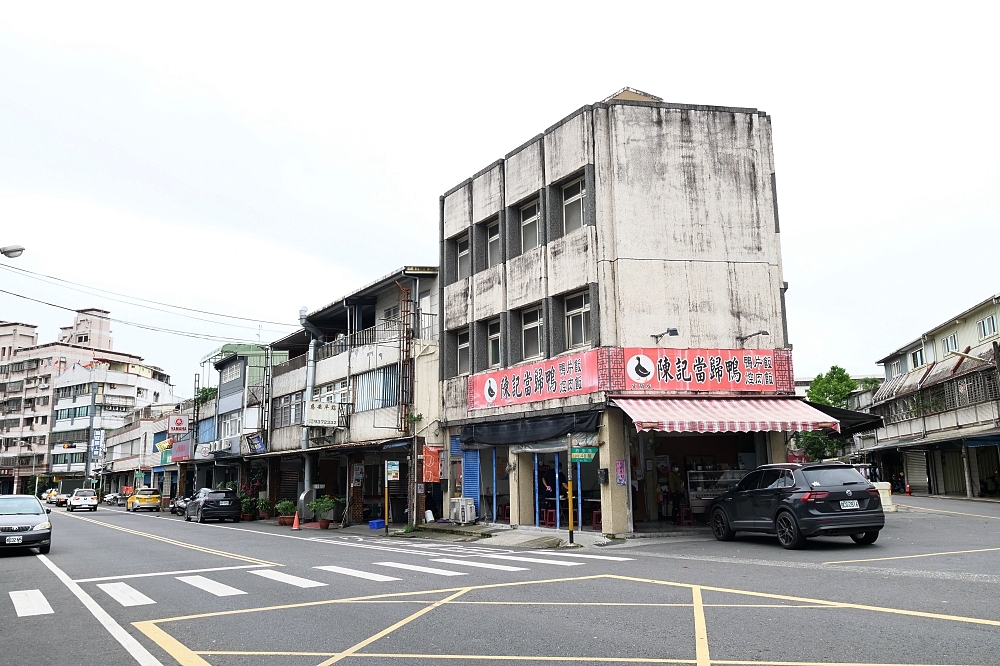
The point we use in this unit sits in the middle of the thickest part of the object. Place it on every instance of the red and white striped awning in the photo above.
(725, 415)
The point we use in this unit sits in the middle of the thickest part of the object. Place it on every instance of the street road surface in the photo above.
(147, 588)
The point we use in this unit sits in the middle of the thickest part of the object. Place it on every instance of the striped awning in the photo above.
(725, 415)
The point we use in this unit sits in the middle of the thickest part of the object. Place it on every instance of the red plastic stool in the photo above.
(549, 518)
(505, 512)
(685, 517)
(595, 520)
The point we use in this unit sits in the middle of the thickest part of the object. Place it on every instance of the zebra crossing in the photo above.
(448, 563)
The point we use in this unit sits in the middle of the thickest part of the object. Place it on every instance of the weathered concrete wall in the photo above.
(455, 398)
(571, 263)
(487, 193)
(526, 283)
(457, 211)
(568, 147)
(616, 516)
(524, 173)
(427, 392)
(489, 290)
(457, 305)
(289, 382)
(375, 424)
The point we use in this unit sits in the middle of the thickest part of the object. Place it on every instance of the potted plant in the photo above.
(249, 507)
(264, 507)
(339, 504)
(285, 509)
(321, 506)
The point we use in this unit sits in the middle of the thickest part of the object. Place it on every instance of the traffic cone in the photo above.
(908, 490)
(295, 523)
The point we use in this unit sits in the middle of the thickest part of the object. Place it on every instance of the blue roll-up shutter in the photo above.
(456, 445)
(470, 476)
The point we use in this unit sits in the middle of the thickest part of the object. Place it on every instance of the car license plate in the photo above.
(849, 504)
(14, 539)
(224, 503)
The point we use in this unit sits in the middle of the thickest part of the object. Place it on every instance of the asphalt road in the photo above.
(148, 588)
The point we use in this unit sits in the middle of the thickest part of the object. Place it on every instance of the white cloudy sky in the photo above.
(250, 158)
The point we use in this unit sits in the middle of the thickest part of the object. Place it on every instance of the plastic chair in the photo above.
(685, 517)
(549, 518)
(595, 520)
(505, 513)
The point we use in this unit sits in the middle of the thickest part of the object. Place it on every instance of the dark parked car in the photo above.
(211, 503)
(795, 501)
(24, 523)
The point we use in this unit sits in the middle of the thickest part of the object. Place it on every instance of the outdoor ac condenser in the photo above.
(463, 510)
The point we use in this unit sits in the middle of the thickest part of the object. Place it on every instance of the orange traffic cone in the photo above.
(908, 490)
(295, 523)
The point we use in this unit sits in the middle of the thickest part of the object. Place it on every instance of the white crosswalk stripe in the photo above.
(125, 594)
(480, 565)
(427, 570)
(287, 578)
(587, 557)
(514, 558)
(210, 586)
(358, 574)
(30, 602)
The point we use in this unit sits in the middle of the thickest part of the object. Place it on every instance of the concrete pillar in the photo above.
(522, 490)
(968, 469)
(357, 492)
(777, 449)
(616, 512)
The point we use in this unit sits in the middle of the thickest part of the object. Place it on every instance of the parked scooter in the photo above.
(178, 504)
(111, 499)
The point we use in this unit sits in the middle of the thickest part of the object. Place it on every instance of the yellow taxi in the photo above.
(144, 498)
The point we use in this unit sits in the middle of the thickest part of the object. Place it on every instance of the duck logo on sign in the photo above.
(490, 390)
(640, 369)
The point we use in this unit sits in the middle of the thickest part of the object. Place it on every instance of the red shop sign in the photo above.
(560, 377)
(661, 369)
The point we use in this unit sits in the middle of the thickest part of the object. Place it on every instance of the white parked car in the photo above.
(82, 498)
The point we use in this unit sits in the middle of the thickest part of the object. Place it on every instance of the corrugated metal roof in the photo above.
(888, 389)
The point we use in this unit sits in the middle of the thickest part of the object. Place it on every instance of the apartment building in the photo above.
(27, 373)
(613, 305)
(360, 388)
(939, 405)
(138, 453)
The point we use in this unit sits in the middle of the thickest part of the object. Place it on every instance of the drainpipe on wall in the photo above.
(317, 335)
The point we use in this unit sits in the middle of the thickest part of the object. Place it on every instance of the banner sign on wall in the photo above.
(432, 464)
(561, 377)
(660, 369)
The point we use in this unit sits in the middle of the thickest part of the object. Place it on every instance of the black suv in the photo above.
(795, 501)
(213, 503)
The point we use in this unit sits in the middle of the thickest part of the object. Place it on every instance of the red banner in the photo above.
(432, 464)
(560, 377)
(660, 369)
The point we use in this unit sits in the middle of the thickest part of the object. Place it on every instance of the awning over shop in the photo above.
(524, 431)
(725, 415)
(851, 422)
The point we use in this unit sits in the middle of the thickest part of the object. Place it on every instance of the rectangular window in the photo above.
(391, 313)
(578, 320)
(82, 338)
(493, 341)
(464, 358)
(532, 333)
(378, 389)
(287, 410)
(493, 244)
(573, 196)
(464, 257)
(917, 358)
(950, 343)
(530, 227)
(231, 372)
(230, 424)
(894, 369)
(987, 326)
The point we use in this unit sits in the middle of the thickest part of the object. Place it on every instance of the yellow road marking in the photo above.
(837, 604)
(910, 557)
(565, 603)
(388, 630)
(819, 663)
(700, 629)
(957, 513)
(211, 551)
(170, 645)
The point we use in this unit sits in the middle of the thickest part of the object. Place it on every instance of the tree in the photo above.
(832, 388)
(817, 445)
(870, 384)
(205, 394)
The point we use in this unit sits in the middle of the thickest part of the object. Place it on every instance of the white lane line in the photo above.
(480, 565)
(125, 594)
(587, 557)
(169, 573)
(427, 570)
(287, 578)
(210, 586)
(358, 574)
(30, 602)
(134, 647)
(514, 558)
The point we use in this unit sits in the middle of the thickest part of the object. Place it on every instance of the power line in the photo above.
(144, 300)
(189, 334)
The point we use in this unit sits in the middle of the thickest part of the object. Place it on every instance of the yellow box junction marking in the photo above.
(188, 657)
(203, 549)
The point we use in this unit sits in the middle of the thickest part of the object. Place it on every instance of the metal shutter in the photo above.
(916, 471)
(470, 476)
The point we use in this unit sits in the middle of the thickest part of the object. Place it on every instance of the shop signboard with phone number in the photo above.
(560, 377)
(661, 369)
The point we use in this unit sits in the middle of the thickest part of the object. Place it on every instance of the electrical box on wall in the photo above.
(602, 476)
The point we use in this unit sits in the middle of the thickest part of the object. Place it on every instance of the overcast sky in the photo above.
(252, 158)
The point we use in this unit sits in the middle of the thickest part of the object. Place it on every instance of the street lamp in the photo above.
(743, 338)
(11, 251)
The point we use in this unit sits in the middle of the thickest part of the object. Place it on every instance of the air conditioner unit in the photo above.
(463, 510)
(42, 387)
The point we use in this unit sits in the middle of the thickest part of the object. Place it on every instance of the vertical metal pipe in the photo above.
(536, 488)
(557, 489)
(579, 496)
(494, 484)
